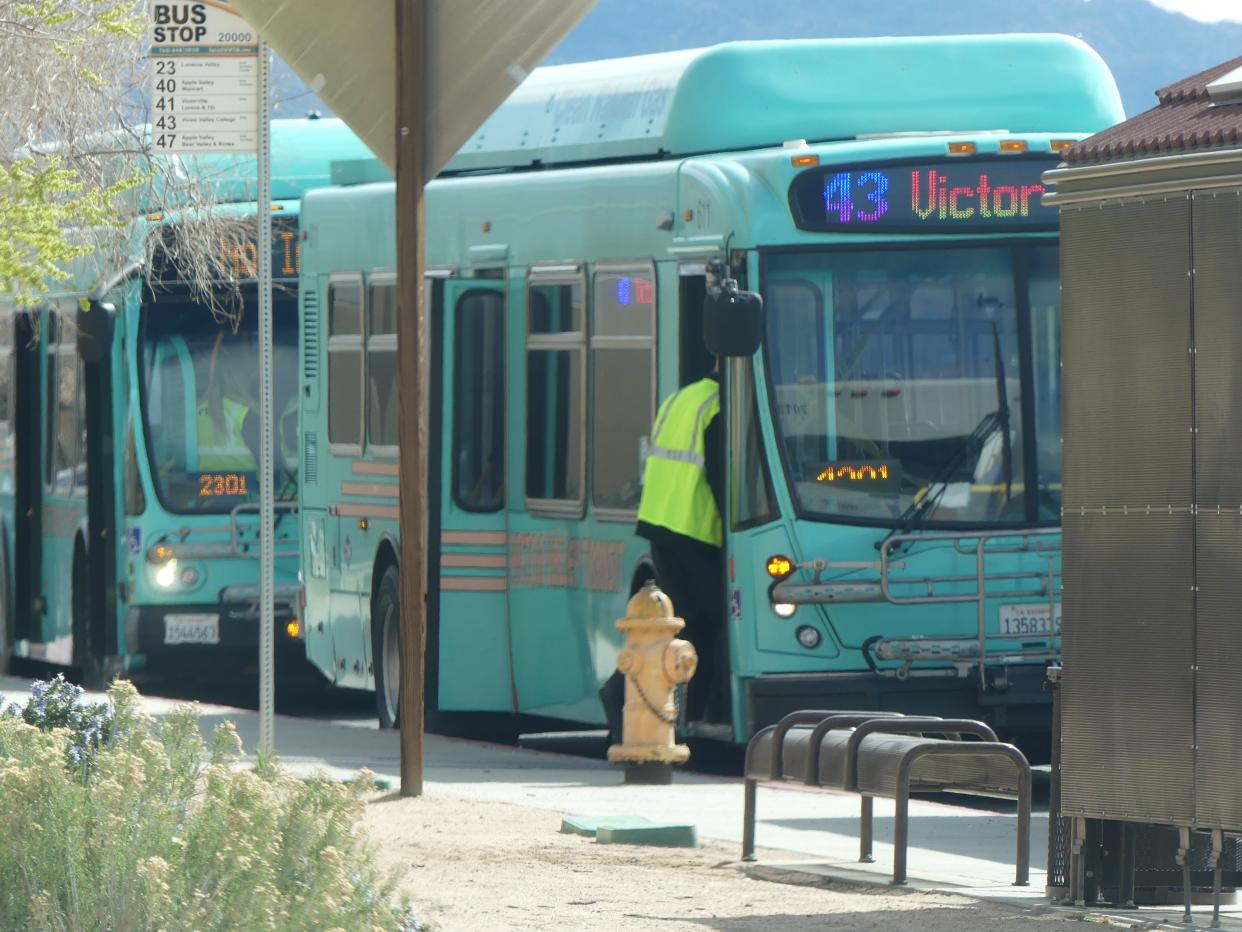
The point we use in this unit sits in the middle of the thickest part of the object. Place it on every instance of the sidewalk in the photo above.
(953, 849)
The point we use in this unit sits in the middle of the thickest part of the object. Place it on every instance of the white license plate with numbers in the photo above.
(1025, 620)
(192, 629)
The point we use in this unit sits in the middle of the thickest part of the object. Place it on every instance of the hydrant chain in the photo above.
(658, 713)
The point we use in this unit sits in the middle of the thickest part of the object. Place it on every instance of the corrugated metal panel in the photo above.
(1218, 347)
(1218, 442)
(1125, 350)
(1218, 654)
(1127, 714)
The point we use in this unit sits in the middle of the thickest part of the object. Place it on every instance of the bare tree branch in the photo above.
(76, 165)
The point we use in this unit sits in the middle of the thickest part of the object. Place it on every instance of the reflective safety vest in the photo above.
(287, 432)
(676, 494)
(222, 446)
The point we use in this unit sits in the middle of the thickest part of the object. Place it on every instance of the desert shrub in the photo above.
(115, 820)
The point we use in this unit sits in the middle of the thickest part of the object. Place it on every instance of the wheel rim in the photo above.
(392, 663)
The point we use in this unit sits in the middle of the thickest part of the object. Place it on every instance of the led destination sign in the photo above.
(941, 196)
(884, 475)
(237, 253)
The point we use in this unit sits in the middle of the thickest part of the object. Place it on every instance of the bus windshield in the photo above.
(896, 379)
(200, 402)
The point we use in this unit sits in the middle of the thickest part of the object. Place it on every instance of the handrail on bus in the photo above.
(236, 546)
(962, 652)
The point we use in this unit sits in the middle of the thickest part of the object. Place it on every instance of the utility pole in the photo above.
(411, 20)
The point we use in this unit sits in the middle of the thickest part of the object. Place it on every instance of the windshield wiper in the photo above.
(1002, 412)
(920, 510)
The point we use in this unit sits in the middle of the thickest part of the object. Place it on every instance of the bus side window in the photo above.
(69, 401)
(6, 372)
(623, 327)
(751, 501)
(694, 361)
(382, 365)
(47, 323)
(345, 369)
(479, 401)
(6, 398)
(555, 395)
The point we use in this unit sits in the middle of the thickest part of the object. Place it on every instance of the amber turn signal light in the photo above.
(779, 567)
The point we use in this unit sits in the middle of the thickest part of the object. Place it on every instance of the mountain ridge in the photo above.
(1145, 46)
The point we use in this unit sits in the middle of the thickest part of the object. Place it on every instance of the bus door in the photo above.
(27, 479)
(472, 578)
(64, 491)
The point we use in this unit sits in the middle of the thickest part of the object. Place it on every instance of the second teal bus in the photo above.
(893, 449)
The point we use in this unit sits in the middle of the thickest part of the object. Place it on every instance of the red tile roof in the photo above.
(1185, 120)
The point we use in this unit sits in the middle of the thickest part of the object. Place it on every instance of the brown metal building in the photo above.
(1151, 270)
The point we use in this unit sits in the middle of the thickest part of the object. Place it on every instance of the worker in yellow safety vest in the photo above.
(226, 428)
(680, 516)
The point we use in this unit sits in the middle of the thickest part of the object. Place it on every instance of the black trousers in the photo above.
(692, 576)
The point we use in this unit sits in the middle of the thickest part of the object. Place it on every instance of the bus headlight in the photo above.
(808, 637)
(166, 575)
(784, 609)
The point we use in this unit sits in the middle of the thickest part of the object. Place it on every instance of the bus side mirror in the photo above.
(95, 322)
(732, 322)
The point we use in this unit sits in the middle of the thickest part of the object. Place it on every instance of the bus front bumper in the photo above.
(231, 625)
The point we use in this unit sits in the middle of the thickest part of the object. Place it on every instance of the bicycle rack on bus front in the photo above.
(889, 585)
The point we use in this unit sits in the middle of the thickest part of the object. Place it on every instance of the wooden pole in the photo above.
(411, 21)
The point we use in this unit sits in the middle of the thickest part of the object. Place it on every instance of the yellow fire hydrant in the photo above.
(654, 661)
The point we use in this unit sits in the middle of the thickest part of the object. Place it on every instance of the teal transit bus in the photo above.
(128, 497)
(892, 450)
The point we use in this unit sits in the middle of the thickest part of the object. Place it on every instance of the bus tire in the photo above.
(386, 647)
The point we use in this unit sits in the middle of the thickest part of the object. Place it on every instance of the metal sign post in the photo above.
(267, 508)
(211, 92)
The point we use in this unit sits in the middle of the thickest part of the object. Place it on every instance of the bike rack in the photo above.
(886, 583)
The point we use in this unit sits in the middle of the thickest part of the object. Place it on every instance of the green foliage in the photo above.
(49, 202)
(165, 830)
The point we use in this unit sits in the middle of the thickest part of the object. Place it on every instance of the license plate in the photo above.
(192, 629)
(1023, 620)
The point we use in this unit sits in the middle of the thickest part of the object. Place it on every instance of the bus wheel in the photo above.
(386, 647)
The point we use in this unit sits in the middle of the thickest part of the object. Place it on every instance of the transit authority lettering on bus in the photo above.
(552, 560)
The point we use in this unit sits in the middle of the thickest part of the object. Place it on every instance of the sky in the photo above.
(1208, 11)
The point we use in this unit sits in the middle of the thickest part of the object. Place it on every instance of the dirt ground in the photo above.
(475, 866)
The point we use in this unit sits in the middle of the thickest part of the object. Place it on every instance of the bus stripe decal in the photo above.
(350, 510)
(477, 561)
(374, 489)
(474, 583)
(369, 468)
(475, 538)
